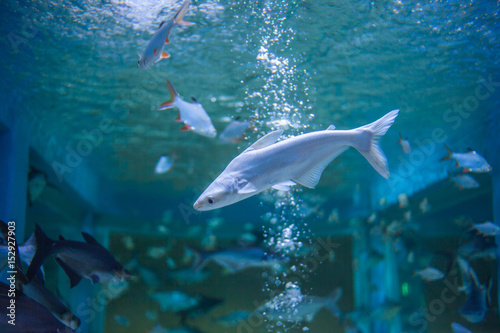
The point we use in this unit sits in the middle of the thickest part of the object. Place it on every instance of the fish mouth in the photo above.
(197, 205)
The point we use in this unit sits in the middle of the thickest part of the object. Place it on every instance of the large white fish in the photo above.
(193, 115)
(300, 159)
(470, 161)
(154, 50)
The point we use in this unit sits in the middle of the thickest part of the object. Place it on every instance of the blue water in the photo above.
(70, 84)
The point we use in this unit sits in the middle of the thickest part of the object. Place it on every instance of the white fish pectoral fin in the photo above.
(331, 127)
(285, 186)
(246, 187)
(266, 140)
(311, 178)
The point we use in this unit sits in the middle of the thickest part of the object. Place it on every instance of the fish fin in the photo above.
(449, 154)
(285, 186)
(61, 238)
(178, 119)
(90, 239)
(173, 95)
(181, 12)
(161, 24)
(266, 140)
(94, 278)
(331, 127)
(185, 23)
(154, 51)
(164, 55)
(246, 187)
(331, 303)
(20, 276)
(374, 153)
(311, 178)
(43, 249)
(195, 100)
(167, 41)
(74, 277)
(185, 128)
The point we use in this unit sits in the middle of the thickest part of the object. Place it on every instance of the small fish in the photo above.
(478, 296)
(128, 242)
(188, 276)
(30, 316)
(148, 276)
(403, 200)
(457, 328)
(430, 274)
(405, 144)
(123, 321)
(479, 247)
(78, 259)
(193, 115)
(233, 318)
(292, 306)
(464, 182)
(301, 159)
(235, 131)
(470, 161)
(239, 259)
(157, 252)
(487, 229)
(37, 182)
(174, 301)
(39, 293)
(424, 205)
(154, 50)
(164, 165)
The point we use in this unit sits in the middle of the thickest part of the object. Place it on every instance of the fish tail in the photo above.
(43, 245)
(331, 304)
(178, 18)
(447, 157)
(170, 103)
(373, 153)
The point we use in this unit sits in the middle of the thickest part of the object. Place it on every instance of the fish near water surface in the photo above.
(154, 50)
(298, 160)
(193, 115)
(78, 259)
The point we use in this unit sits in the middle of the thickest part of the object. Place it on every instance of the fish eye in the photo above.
(210, 200)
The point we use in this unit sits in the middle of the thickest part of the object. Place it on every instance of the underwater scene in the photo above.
(183, 166)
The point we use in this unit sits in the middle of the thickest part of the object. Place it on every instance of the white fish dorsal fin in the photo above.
(266, 140)
(311, 178)
(285, 186)
(246, 187)
(331, 127)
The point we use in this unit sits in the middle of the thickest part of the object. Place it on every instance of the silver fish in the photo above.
(471, 161)
(464, 181)
(235, 131)
(193, 115)
(487, 228)
(430, 274)
(164, 165)
(298, 160)
(174, 300)
(154, 50)
(405, 144)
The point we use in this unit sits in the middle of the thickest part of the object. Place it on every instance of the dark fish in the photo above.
(30, 316)
(239, 259)
(478, 296)
(37, 292)
(78, 259)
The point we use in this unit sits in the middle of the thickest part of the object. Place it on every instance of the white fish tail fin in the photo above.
(178, 18)
(173, 95)
(374, 153)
